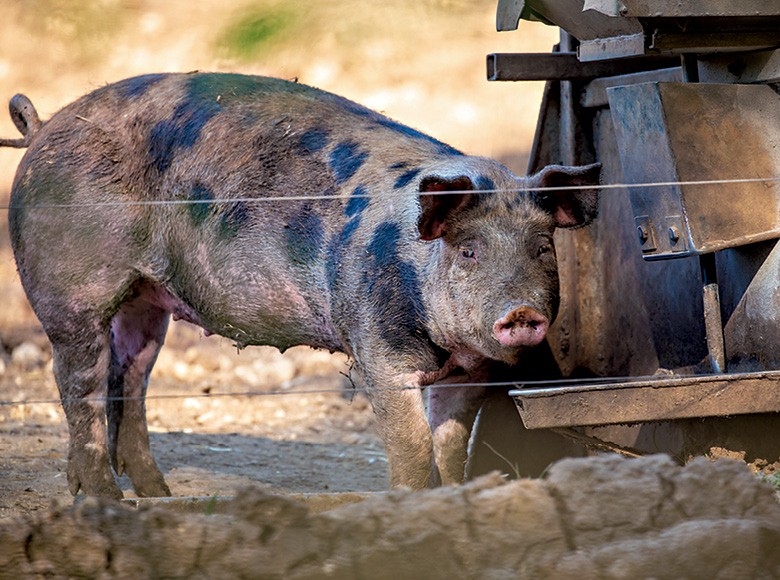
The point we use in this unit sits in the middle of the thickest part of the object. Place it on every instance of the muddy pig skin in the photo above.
(371, 255)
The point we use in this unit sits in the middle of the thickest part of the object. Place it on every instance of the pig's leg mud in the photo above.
(81, 361)
(451, 414)
(400, 420)
(137, 334)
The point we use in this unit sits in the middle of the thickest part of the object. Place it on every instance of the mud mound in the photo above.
(591, 518)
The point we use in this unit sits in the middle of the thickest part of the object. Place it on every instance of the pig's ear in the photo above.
(438, 206)
(570, 208)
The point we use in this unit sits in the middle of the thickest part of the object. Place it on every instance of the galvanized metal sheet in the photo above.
(612, 47)
(649, 400)
(757, 67)
(752, 333)
(594, 93)
(508, 14)
(710, 39)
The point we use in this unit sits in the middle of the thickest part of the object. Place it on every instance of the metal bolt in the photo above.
(644, 234)
(674, 234)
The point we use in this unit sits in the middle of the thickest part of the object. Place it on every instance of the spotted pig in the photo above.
(277, 214)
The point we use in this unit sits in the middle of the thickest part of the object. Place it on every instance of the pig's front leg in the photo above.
(400, 419)
(425, 451)
(451, 414)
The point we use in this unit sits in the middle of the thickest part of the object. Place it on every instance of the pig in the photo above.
(274, 213)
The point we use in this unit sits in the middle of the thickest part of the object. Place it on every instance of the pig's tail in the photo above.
(26, 119)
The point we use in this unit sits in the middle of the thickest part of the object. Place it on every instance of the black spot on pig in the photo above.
(200, 208)
(205, 97)
(137, 86)
(356, 109)
(337, 249)
(234, 216)
(380, 120)
(406, 177)
(16, 218)
(304, 236)
(345, 160)
(484, 183)
(181, 131)
(443, 148)
(393, 288)
(227, 88)
(312, 141)
(358, 201)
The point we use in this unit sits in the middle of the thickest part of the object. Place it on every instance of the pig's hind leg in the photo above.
(80, 345)
(137, 334)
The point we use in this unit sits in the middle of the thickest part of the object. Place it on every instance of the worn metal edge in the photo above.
(648, 400)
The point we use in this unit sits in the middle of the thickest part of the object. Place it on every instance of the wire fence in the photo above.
(285, 391)
(553, 382)
(391, 194)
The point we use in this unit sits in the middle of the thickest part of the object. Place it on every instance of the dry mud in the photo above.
(594, 518)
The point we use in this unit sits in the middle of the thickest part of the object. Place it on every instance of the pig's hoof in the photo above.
(93, 481)
(105, 489)
(151, 487)
(146, 477)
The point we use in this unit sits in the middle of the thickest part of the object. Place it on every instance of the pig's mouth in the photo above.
(522, 326)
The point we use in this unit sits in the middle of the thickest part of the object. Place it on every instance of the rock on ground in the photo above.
(603, 517)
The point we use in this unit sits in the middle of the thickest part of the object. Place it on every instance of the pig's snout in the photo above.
(521, 326)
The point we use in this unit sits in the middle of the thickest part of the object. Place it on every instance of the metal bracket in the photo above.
(675, 232)
(645, 233)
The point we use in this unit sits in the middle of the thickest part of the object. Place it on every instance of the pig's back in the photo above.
(213, 144)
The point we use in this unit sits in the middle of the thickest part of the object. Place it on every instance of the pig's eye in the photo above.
(545, 248)
(467, 253)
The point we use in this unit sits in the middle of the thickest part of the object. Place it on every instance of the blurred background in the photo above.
(421, 62)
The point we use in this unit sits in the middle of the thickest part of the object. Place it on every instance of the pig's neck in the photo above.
(442, 317)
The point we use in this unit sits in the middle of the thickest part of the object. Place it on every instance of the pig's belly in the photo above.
(275, 314)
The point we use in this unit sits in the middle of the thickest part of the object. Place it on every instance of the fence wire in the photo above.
(390, 194)
(517, 384)
(384, 195)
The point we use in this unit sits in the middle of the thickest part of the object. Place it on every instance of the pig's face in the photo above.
(496, 258)
(502, 278)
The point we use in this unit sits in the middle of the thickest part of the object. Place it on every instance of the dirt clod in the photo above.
(660, 523)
